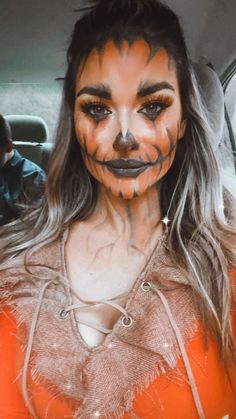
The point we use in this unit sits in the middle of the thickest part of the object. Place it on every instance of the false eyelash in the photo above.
(163, 100)
(85, 107)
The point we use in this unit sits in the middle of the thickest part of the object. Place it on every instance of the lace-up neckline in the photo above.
(124, 321)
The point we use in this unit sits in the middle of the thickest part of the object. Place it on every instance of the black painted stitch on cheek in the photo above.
(84, 147)
(172, 144)
(159, 160)
(162, 159)
(178, 129)
(95, 152)
(148, 158)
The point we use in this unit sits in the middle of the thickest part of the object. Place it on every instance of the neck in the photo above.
(136, 220)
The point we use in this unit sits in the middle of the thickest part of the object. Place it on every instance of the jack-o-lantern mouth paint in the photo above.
(128, 116)
(127, 167)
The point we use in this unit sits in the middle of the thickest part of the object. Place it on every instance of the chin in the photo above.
(126, 189)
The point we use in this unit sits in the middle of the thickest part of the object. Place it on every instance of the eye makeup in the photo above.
(151, 108)
(162, 98)
(95, 109)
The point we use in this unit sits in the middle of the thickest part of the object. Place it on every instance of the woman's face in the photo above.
(128, 116)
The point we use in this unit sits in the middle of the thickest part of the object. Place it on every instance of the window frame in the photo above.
(225, 79)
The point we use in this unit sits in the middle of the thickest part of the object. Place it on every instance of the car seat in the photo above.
(212, 95)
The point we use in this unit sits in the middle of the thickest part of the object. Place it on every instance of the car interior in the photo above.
(33, 42)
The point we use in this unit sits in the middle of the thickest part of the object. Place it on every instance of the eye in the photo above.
(97, 111)
(152, 109)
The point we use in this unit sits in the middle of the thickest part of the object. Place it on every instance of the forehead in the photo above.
(128, 64)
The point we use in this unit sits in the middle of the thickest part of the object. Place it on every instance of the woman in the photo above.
(117, 292)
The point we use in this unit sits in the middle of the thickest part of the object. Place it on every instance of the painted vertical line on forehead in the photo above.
(154, 49)
(171, 62)
(120, 44)
(80, 70)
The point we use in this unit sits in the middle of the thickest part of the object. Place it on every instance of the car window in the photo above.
(228, 144)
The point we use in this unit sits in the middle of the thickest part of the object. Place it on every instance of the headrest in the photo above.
(212, 95)
(28, 128)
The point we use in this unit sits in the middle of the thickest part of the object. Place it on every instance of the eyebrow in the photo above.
(148, 89)
(99, 90)
(104, 92)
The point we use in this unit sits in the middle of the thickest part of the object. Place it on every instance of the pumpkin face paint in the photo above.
(128, 116)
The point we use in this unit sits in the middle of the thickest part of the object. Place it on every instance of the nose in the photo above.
(125, 143)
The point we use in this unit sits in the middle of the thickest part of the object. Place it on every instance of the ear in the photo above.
(182, 128)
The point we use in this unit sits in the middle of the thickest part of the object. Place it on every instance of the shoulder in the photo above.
(30, 168)
(27, 167)
(24, 167)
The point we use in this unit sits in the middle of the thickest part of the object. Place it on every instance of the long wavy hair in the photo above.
(202, 235)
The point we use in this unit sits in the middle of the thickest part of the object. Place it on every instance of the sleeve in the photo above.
(11, 401)
(33, 180)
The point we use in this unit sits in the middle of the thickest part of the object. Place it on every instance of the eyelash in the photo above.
(87, 108)
(161, 101)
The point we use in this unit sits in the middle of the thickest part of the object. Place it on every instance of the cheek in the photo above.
(85, 133)
(157, 139)
(96, 139)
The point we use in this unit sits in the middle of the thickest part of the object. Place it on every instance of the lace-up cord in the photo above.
(92, 304)
(29, 349)
(183, 352)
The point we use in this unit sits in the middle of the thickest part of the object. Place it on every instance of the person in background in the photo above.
(21, 180)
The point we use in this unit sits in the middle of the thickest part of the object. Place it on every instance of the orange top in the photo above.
(165, 398)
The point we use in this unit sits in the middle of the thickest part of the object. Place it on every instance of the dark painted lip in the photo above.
(127, 172)
(126, 164)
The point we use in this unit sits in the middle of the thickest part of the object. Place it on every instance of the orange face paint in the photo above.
(128, 116)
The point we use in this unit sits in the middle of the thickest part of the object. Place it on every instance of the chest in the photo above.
(107, 274)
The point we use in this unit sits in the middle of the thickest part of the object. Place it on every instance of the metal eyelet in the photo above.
(64, 314)
(146, 286)
(127, 321)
